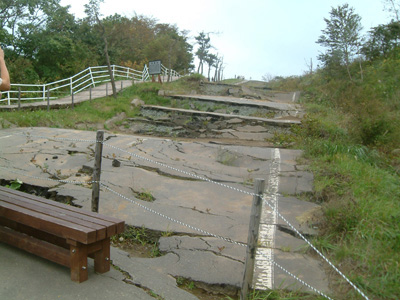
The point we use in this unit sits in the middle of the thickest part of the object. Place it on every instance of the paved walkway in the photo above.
(100, 91)
(204, 205)
(163, 167)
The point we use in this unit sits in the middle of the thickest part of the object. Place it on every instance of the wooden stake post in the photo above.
(252, 238)
(97, 171)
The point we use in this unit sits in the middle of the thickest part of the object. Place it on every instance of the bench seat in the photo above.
(58, 232)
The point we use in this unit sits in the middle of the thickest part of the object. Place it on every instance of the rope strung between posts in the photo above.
(219, 184)
(172, 220)
(180, 171)
(251, 194)
(213, 235)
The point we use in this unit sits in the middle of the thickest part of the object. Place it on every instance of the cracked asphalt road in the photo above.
(172, 172)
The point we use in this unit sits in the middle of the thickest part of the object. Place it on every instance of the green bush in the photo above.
(193, 77)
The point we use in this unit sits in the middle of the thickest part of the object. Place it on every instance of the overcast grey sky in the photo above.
(255, 37)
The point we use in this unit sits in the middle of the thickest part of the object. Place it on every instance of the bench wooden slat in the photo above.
(96, 218)
(47, 223)
(116, 227)
(58, 232)
(60, 214)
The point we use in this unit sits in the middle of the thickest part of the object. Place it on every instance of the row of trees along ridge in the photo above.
(43, 42)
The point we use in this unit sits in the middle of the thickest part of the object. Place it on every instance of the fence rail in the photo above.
(90, 77)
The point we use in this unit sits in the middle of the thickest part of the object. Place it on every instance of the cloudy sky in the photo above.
(255, 37)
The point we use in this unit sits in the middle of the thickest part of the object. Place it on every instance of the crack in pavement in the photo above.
(129, 280)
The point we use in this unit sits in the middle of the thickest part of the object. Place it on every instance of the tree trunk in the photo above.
(200, 66)
(348, 72)
(170, 51)
(110, 72)
(216, 72)
(103, 33)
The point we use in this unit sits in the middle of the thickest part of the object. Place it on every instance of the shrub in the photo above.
(193, 77)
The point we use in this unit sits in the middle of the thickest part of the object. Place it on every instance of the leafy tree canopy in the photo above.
(43, 41)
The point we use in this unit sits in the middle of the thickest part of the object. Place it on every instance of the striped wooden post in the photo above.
(252, 238)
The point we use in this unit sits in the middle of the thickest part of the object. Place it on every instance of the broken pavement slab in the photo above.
(287, 107)
(152, 164)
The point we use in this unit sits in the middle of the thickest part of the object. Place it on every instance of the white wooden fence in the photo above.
(91, 76)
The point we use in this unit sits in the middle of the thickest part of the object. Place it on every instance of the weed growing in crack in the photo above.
(146, 195)
(15, 184)
(166, 233)
(155, 251)
(132, 234)
(185, 283)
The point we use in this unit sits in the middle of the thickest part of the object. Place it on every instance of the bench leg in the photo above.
(78, 254)
(102, 257)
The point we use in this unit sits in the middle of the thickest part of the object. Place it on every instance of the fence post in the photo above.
(91, 76)
(72, 99)
(252, 238)
(90, 93)
(107, 89)
(97, 171)
(44, 92)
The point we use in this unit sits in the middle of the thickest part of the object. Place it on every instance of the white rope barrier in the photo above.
(194, 228)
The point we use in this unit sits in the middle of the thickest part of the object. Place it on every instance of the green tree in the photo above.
(92, 10)
(22, 15)
(341, 37)
(383, 39)
(44, 42)
(39, 39)
(60, 52)
(171, 47)
(210, 59)
(203, 40)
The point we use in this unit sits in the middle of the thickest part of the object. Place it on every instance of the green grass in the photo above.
(360, 194)
(89, 112)
(231, 81)
(279, 295)
(356, 180)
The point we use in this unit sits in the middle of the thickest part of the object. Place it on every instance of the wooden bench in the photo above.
(58, 232)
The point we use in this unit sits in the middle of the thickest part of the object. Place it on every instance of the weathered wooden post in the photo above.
(97, 170)
(72, 98)
(90, 93)
(252, 238)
